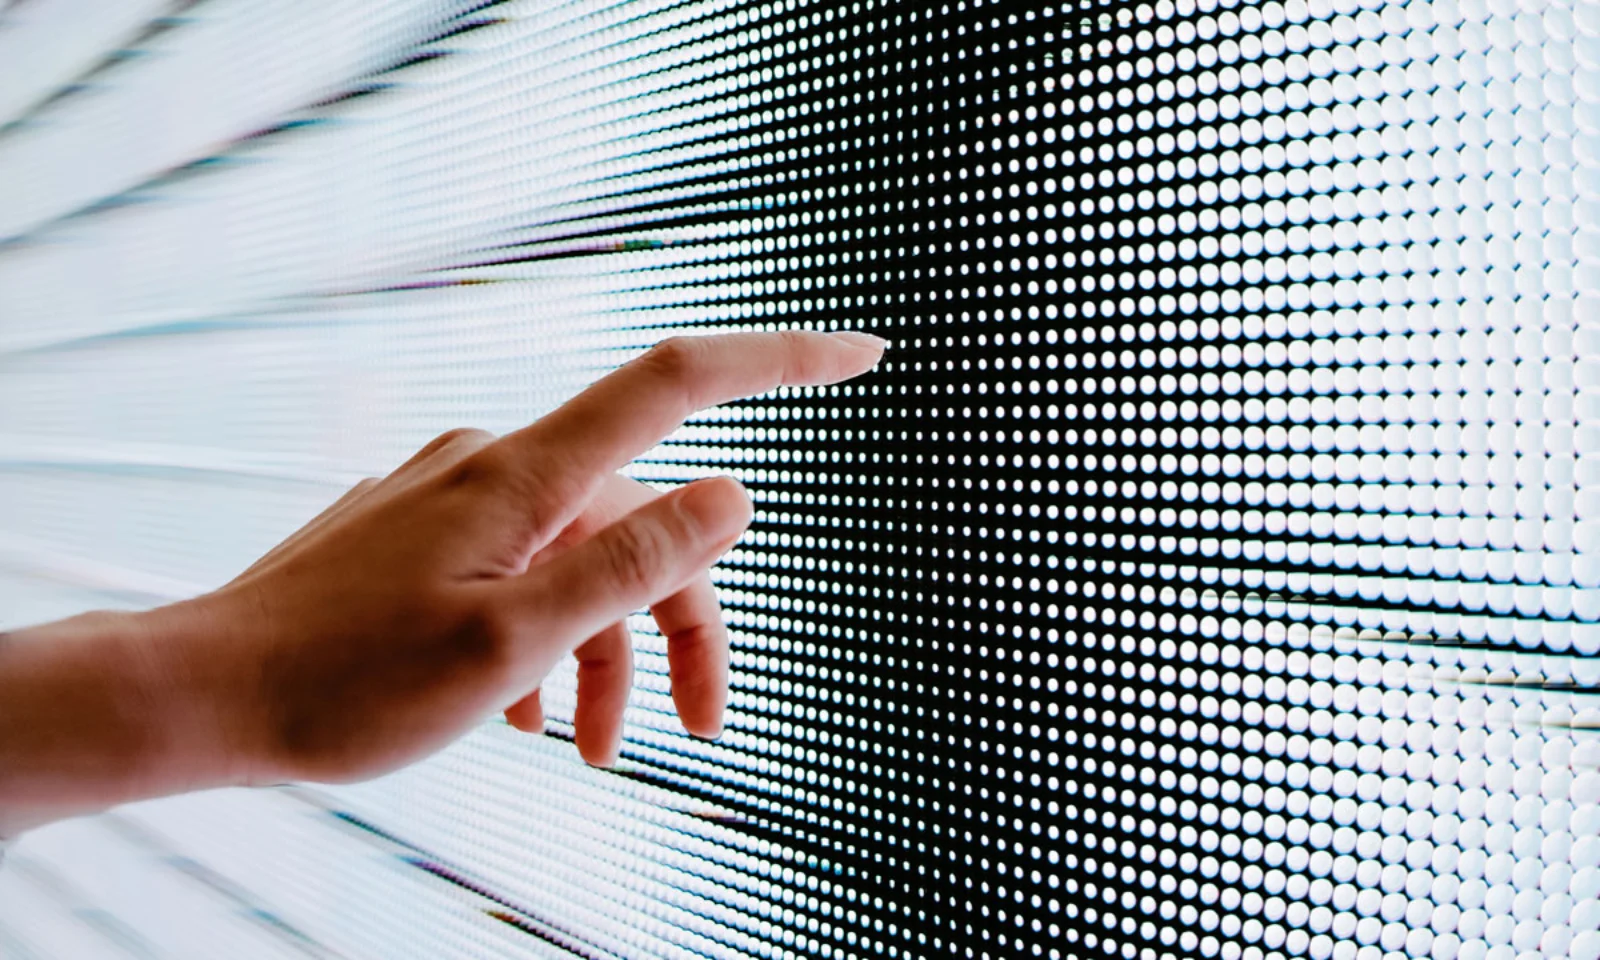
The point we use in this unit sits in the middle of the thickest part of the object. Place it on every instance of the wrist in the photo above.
(103, 709)
(188, 683)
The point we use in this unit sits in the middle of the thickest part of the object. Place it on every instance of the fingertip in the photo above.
(726, 486)
(603, 756)
(719, 506)
(534, 727)
(747, 508)
(711, 729)
(527, 714)
(701, 701)
(865, 352)
(605, 676)
(864, 341)
(597, 736)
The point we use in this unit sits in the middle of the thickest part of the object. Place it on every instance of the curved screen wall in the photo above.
(1210, 570)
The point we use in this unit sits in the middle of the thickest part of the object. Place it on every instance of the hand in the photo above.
(392, 623)
(420, 603)
(691, 618)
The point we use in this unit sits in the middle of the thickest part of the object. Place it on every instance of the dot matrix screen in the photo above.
(1210, 569)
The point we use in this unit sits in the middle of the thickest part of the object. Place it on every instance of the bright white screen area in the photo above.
(1210, 570)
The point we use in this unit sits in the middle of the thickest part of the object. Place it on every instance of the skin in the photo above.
(415, 606)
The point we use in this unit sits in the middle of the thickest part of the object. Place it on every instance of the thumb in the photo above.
(647, 555)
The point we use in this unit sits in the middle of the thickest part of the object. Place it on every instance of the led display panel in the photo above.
(1209, 570)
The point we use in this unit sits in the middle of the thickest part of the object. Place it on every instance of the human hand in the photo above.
(420, 603)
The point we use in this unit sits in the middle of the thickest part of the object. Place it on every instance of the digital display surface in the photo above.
(1210, 569)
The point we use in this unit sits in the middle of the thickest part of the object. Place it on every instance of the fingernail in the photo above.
(858, 339)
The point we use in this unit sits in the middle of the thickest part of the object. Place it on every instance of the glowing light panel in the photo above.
(1210, 570)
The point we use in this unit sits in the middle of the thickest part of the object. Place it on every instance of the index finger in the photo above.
(562, 458)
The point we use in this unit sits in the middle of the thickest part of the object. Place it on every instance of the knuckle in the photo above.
(794, 339)
(460, 438)
(483, 467)
(447, 449)
(675, 357)
(634, 553)
(677, 364)
(464, 436)
(435, 445)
